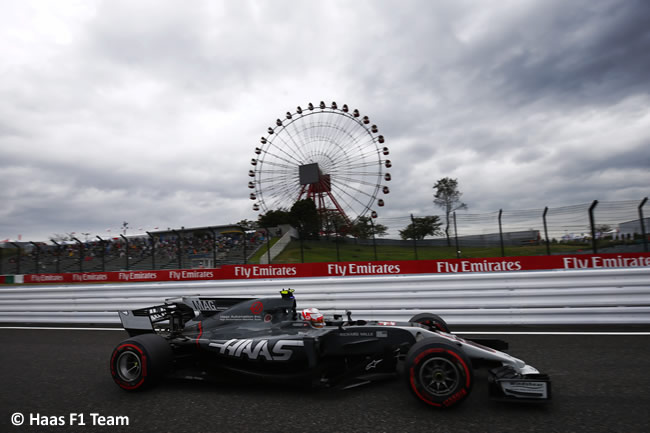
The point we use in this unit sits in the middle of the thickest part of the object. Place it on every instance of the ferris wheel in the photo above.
(328, 153)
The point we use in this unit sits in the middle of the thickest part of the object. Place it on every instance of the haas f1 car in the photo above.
(269, 338)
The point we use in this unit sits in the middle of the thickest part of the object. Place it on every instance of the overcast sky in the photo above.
(149, 111)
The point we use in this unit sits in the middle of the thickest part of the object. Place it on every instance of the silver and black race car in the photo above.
(270, 339)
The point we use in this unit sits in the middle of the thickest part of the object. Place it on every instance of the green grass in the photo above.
(255, 258)
(322, 251)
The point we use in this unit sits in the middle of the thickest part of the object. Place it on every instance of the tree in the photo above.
(333, 222)
(602, 228)
(447, 197)
(421, 227)
(274, 218)
(304, 217)
(364, 228)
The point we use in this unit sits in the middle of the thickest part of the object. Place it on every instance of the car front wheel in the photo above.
(438, 374)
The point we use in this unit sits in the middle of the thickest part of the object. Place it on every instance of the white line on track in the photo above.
(54, 328)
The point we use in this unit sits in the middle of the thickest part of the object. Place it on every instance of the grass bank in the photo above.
(255, 258)
(348, 251)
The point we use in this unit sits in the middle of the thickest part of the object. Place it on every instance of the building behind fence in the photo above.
(593, 227)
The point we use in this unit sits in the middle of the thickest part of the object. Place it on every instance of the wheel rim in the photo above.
(439, 376)
(129, 366)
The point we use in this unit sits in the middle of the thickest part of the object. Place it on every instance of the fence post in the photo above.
(179, 253)
(503, 250)
(38, 256)
(126, 242)
(336, 241)
(18, 259)
(415, 242)
(374, 241)
(213, 236)
(58, 256)
(243, 230)
(153, 251)
(103, 250)
(643, 233)
(456, 237)
(593, 226)
(548, 242)
(82, 254)
(268, 245)
(302, 248)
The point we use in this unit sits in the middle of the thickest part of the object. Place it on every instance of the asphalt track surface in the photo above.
(601, 383)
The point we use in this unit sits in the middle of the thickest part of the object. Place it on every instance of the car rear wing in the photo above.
(173, 314)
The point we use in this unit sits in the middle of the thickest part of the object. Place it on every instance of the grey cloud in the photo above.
(151, 111)
(588, 53)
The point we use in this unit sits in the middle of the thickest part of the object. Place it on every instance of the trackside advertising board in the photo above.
(350, 269)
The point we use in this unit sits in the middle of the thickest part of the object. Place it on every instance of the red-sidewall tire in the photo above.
(438, 374)
(139, 362)
(431, 321)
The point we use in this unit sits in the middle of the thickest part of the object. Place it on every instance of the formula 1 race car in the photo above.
(268, 338)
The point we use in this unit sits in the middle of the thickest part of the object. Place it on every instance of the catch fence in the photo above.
(597, 227)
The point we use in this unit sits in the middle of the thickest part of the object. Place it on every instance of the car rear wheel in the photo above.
(431, 321)
(438, 374)
(140, 362)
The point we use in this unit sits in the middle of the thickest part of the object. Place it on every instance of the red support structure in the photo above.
(318, 192)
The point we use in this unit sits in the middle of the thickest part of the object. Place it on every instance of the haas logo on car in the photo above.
(252, 349)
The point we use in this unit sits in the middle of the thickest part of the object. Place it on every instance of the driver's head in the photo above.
(313, 316)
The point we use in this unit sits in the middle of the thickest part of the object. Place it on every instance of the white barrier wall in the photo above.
(605, 296)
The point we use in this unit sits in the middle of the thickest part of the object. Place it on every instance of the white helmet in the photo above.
(313, 316)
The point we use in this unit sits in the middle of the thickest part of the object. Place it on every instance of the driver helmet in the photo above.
(313, 316)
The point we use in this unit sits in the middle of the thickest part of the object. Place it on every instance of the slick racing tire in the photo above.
(438, 374)
(139, 362)
(431, 321)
